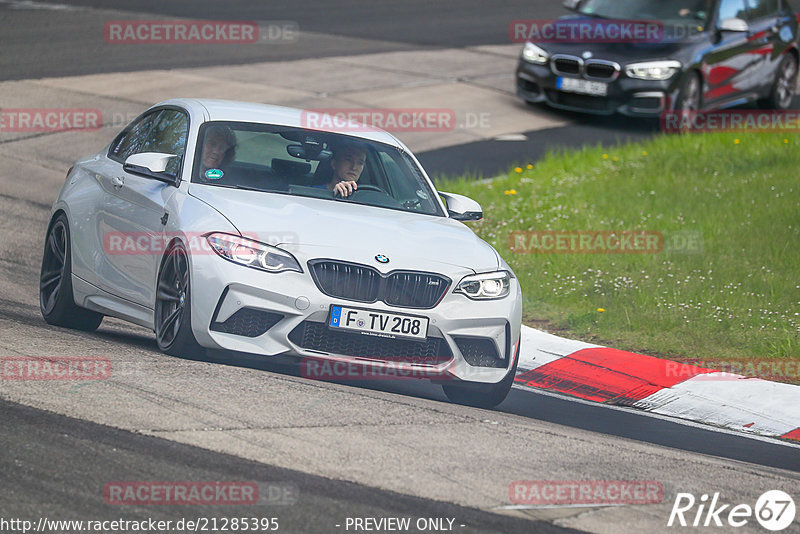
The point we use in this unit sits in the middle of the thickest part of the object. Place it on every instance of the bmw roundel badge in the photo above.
(382, 259)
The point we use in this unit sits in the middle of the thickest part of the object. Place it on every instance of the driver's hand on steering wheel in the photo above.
(344, 188)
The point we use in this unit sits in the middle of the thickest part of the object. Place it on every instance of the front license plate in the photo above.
(377, 323)
(585, 87)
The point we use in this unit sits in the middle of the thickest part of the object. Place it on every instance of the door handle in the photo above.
(117, 181)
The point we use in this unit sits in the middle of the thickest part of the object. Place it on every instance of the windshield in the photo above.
(647, 9)
(310, 163)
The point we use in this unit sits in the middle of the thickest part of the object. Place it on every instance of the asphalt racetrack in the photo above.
(354, 450)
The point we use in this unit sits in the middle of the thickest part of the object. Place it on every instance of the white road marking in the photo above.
(32, 5)
(511, 137)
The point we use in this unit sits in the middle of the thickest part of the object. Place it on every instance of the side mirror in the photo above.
(733, 24)
(572, 5)
(462, 208)
(152, 165)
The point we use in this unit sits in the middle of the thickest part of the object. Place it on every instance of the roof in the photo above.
(311, 118)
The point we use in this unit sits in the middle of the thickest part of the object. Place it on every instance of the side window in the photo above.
(732, 9)
(162, 131)
(169, 132)
(762, 8)
(133, 138)
(168, 136)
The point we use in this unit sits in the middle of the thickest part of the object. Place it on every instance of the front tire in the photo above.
(482, 395)
(56, 299)
(173, 310)
(690, 96)
(782, 92)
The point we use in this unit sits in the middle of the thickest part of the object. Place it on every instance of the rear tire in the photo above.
(482, 395)
(56, 299)
(172, 316)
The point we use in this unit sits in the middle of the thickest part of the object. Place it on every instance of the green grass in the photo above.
(734, 294)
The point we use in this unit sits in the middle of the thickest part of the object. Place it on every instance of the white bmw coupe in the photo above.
(231, 226)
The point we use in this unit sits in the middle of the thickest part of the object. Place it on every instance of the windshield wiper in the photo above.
(595, 15)
(243, 187)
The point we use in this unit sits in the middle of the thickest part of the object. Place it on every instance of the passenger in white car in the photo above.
(219, 149)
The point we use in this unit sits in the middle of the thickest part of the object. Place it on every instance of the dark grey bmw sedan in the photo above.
(701, 55)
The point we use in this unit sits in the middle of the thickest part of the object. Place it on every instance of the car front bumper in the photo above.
(628, 96)
(295, 312)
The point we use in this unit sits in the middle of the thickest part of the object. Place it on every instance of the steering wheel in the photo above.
(369, 187)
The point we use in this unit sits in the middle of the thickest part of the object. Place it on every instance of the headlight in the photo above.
(653, 70)
(485, 286)
(534, 54)
(252, 253)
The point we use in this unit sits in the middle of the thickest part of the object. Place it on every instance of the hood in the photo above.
(319, 228)
(678, 46)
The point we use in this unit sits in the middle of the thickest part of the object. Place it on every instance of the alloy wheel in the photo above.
(690, 99)
(786, 79)
(53, 265)
(171, 293)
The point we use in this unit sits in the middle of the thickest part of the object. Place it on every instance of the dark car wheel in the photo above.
(482, 395)
(173, 313)
(689, 97)
(56, 300)
(782, 92)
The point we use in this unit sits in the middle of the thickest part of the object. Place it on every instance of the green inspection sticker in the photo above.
(214, 174)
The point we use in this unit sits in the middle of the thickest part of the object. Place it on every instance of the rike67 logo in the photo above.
(774, 510)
